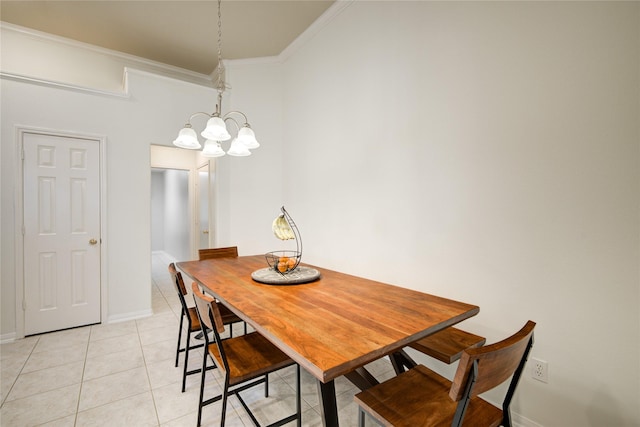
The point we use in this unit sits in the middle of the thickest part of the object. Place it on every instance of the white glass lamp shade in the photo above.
(238, 149)
(212, 149)
(248, 138)
(188, 139)
(216, 130)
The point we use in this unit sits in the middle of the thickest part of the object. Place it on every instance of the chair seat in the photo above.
(420, 397)
(228, 316)
(249, 356)
(448, 344)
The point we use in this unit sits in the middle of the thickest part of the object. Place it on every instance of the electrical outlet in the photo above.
(539, 370)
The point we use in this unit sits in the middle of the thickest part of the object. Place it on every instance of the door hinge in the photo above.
(23, 230)
(24, 305)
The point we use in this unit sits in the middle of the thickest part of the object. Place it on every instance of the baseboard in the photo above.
(7, 338)
(520, 421)
(117, 318)
(11, 337)
(167, 257)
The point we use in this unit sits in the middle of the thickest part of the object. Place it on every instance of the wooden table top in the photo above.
(333, 325)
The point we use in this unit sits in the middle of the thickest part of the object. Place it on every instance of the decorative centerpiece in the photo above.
(284, 228)
(284, 265)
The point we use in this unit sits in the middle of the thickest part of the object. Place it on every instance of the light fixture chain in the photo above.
(220, 84)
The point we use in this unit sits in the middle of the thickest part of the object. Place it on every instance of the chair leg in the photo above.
(266, 385)
(360, 417)
(506, 418)
(179, 338)
(203, 373)
(186, 361)
(298, 398)
(225, 395)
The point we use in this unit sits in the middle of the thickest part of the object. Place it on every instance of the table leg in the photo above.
(362, 378)
(401, 360)
(327, 392)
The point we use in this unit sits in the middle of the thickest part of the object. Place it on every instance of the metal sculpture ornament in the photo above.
(284, 228)
(284, 268)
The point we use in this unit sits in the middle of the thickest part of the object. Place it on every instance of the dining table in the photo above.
(332, 326)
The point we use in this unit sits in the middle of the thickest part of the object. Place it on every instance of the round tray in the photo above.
(298, 276)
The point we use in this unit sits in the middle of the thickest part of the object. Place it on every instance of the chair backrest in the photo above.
(207, 309)
(176, 276)
(481, 369)
(209, 315)
(229, 252)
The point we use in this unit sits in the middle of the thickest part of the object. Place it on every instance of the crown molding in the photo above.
(131, 60)
(59, 85)
(329, 15)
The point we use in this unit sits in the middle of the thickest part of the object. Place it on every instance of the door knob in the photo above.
(205, 231)
(93, 241)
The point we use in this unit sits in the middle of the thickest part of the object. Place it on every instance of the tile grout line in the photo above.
(27, 355)
(144, 358)
(19, 372)
(84, 367)
(27, 373)
(154, 284)
(177, 315)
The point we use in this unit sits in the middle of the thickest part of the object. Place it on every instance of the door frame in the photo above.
(20, 131)
(210, 235)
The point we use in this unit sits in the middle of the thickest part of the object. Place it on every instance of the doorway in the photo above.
(170, 212)
(203, 203)
(184, 227)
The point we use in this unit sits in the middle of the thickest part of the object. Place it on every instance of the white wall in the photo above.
(152, 112)
(149, 111)
(487, 152)
(249, 190)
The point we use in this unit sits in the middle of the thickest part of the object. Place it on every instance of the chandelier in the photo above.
(216, 129)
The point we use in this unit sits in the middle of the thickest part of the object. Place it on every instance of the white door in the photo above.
(203, 207)
(61, 232)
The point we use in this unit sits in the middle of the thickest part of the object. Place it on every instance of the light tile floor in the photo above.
(123, 374)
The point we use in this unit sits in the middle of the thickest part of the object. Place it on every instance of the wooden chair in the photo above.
(420, 397)
(448, 344)
(246, 361)
(193, 324)
(228, 252)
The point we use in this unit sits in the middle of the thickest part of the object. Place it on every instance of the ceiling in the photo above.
(182, 33)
